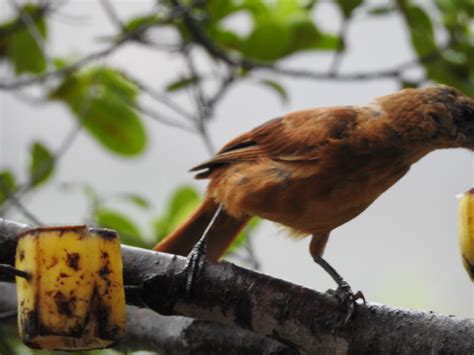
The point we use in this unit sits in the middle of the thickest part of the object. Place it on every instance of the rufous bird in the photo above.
(316, 169)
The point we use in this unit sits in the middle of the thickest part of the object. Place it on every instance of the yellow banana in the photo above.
(466, 231)
(74, 298)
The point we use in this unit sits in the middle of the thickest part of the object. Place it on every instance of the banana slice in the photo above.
(74, 298)
(466, 231)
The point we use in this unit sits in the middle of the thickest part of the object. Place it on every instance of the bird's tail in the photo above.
(222, 233)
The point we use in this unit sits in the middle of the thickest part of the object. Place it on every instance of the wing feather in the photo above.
(296, 137)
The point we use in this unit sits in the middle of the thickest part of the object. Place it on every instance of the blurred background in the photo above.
(105, 105)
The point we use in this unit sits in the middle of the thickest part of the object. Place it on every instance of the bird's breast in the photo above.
(303, 197)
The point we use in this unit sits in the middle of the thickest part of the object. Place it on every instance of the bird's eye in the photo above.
(468, 112)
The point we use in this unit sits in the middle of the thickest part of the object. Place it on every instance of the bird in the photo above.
(315, 169)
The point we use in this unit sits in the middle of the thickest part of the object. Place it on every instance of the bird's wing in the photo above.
(296, 137)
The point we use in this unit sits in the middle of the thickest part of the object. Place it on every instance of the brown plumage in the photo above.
(314, 170)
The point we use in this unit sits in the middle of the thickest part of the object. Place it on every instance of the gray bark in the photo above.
(295, 316)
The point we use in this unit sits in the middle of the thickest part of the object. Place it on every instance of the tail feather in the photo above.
(222, 233)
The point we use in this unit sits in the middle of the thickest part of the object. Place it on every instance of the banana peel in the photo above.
(466, 231)
(73, 298)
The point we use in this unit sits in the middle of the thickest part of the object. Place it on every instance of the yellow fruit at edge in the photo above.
(466, 231)
(74, 299)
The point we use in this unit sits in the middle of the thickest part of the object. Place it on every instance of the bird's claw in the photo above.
(347, 299)
(194, 265)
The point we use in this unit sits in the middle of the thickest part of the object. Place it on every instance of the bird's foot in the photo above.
(196, 260)
(347, 299)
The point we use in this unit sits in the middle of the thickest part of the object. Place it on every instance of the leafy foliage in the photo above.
(181, 83)
(243, 236)
(21, 48)
(138, 200)
(104, 101)
(128, 231)
(41, 164)
(454, 66)
(347, 6)
(278, 88)
(421, 28)
(140, 21)
(181, 204)
(7, 185)
(280, 28)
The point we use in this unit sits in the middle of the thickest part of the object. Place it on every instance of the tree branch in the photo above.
(216, 51)
(68, 69)
(337, 60)
(57, 73)
(111, 13)
(150, 331)
(294, 315)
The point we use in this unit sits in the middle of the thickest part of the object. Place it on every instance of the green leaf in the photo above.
(421, 29)
(60, 63)
(282, 28)
(225, 38)
(459, 76)
(407, 84)
(268, 41)
(22, 50)
(243, 236)
(181, 197)
(140, 21)
(41, 164)
(104, 101)
(182, 203)
(129, 232)
(381, 10)
(181, 83)
(454, 66)
(276, 87)
(138, 200)
(347, 6)
(7, 185)
(219, 9)
(306, 36)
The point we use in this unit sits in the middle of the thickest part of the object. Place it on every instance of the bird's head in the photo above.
(462, 110)
(453, 113)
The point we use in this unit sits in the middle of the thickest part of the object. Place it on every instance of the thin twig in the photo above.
(200, 101)
(70, 19)
(11, 198)
(159, 117)
(221, 90)
(65, 145)
(37, 79)
(18, 24)
(162, 98)
(197, 90)
(31, 217)
(111, 13)
(337, 60)
(30, 99)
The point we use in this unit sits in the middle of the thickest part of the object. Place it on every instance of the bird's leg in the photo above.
(197, 255)
(343, 292)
